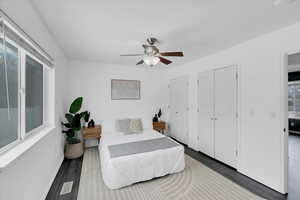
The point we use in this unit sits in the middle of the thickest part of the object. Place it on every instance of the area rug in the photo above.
(196, 182)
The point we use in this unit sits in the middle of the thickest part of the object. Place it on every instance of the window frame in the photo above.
(22, 135)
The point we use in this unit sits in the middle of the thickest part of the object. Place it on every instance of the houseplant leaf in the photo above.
(85, 115)
(67, 125)
(69, 133)
(73, 140)
(69, 117)
(76, 105)
(76, 123)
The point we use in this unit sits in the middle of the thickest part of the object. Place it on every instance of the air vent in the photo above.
(66, 188)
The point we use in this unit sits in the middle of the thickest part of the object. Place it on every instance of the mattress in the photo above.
(138, 162)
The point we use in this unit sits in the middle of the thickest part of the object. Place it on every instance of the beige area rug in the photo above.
(196, 182)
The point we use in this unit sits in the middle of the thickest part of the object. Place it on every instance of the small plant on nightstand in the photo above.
(74, 146)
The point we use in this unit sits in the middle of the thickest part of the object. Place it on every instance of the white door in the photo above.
(179, 109)
(206, 112)
(225, 93)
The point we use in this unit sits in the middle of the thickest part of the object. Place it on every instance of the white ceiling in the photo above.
(101, 30)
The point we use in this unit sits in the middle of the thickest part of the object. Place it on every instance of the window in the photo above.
(34, 94)
(8, 94)
(294, 96)
(291, 94)
(26, 89)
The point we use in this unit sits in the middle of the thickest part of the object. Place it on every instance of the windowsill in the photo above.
(9, 156)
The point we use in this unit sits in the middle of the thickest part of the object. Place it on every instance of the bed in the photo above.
(128, 159)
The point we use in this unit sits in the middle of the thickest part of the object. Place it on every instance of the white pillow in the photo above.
(136, 126)
(110, 125)
(123, 125)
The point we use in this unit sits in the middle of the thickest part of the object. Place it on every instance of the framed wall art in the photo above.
(125, 89)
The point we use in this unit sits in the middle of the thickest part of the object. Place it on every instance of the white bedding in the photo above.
(126, 170)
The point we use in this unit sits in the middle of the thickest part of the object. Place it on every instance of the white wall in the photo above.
(31, 175)
(261, 100)
(92, 81)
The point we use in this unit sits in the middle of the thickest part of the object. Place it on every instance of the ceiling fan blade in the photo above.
(140, 62)
(171, 54)
(165, 61)
(132, 55)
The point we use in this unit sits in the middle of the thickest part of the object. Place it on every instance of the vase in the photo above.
(155, 119)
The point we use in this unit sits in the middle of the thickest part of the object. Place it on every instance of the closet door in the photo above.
(225, 115)
(206, 113)
(179, 109)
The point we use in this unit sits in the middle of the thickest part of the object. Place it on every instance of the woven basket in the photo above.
(73, 151)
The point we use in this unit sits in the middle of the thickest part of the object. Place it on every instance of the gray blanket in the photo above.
(143, 146)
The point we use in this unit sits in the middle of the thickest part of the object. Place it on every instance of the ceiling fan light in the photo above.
(151, 60)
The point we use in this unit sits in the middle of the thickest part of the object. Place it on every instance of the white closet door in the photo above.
(225, 115)
(179, 109)
(206, 113)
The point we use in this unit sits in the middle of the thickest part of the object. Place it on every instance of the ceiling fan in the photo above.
(152, 56)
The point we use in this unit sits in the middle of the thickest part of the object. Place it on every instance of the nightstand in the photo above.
(92, 133)
(159, 126)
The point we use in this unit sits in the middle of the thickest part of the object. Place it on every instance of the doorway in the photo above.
(292, 66)
(179, 108)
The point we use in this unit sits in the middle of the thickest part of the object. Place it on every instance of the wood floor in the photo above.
(70, 171)
(294, 167)
(236, 177)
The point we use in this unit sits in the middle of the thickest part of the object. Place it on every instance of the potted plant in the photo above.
(74, 145)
